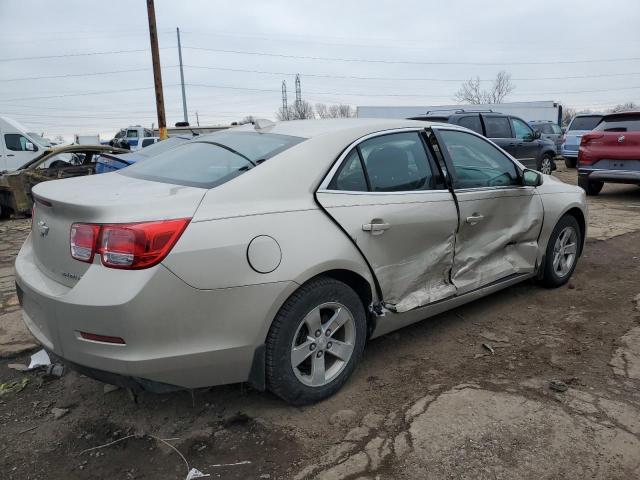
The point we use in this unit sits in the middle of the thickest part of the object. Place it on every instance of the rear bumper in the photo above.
(174, 334)
(612, 176)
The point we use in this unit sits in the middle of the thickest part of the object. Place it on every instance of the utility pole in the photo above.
(298, 92)
(197, 118)
(184, 96)
(157, 74)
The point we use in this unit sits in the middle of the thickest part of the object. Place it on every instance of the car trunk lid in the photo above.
(108, 198)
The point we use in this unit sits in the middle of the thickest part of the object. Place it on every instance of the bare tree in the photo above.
(322, 111)
(624, 107)
(567, 114)
(247, 119)
(298, 111)
(335, 111)
(472, 92)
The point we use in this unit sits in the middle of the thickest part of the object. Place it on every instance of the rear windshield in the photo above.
(211, 160)
(620, 123)
(585, 123)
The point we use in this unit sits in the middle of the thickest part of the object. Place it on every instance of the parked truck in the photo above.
(17, 147)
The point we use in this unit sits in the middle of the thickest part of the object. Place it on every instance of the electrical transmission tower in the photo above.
(298, 92)
(285, 107)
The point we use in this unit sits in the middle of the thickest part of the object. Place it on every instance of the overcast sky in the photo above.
(237, 53)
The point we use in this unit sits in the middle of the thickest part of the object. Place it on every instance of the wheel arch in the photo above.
(578, 214)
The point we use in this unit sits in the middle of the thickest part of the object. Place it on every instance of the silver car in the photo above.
(272, 253)
(578, 126)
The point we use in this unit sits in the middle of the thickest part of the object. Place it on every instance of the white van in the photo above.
(17, 147)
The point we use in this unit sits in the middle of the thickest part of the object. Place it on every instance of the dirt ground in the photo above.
(428, 401)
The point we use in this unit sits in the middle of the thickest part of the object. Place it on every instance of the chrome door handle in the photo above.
(475, 218)
(376, 228)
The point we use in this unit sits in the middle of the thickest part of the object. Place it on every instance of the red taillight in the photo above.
(132, 245)
(587, 137)
(83, 241)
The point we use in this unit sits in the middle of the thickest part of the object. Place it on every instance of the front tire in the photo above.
(315, 342)
(562, 252)
(546, 164)
(591, 188)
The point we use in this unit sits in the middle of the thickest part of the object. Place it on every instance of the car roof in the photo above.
(315, 128)
(630, 113)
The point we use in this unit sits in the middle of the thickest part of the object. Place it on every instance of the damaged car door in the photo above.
(388, 195)
(500, 218)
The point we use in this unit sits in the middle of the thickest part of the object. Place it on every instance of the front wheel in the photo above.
(591, 188)
(546, 164)
(315, 341)
(562, 252)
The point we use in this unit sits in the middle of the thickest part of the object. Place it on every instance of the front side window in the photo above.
(397, 162)
(17, 142)
(521, 129)
(497, 127)
(147, 141)
(477, 163)
(212, 159)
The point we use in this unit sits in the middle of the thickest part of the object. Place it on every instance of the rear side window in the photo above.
(471, 122)
(620, 123)
(397, 162)
(147, 141)
(497, 127)
(351, 177)
(211, 160)
(585, 123)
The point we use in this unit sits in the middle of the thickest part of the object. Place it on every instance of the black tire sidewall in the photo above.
(550, 278)
(281, 379)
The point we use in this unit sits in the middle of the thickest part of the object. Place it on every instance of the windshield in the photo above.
(38, 140)
(211, 160)
(585, 123)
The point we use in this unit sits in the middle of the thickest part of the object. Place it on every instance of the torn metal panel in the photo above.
(502, 243)
(412, 257)
(419, 280)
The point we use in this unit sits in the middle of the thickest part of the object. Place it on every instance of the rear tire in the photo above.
(561, 257)
(315, 342)
(591, 188)
(570, 162)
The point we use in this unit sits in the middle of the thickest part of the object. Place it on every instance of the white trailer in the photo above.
(528, 111)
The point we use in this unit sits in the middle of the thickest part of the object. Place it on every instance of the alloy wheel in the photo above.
(323, 344)
(564, 251)
(546, 165)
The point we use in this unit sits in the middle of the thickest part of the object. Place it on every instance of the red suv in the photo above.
(610, 152)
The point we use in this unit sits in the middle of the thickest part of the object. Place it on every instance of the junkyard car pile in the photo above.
(290, 243)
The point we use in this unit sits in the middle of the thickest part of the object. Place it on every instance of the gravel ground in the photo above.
(427, 402)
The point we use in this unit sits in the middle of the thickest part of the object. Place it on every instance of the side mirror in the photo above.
(30, 147)
(531, 178)
(536, 134)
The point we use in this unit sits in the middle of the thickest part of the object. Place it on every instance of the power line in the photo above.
(406, 62)
(91, 74)
(84, 54)
(426, 79)
(96, 92)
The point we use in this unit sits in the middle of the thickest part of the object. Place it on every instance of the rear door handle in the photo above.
(376, 227)
(10, 155)
(475, 218)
